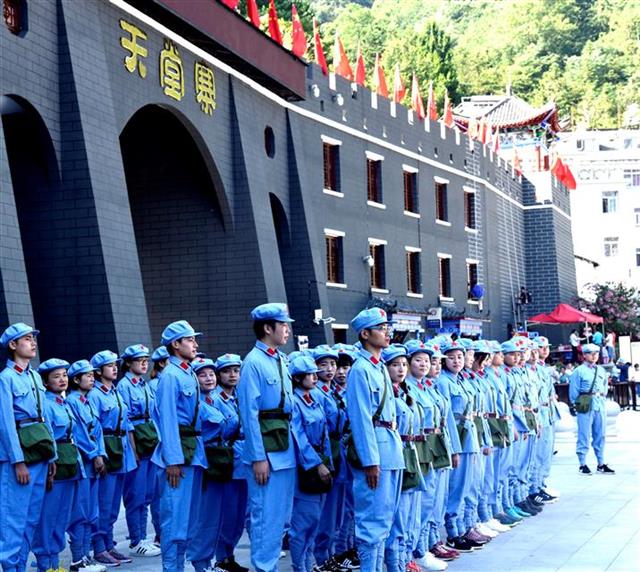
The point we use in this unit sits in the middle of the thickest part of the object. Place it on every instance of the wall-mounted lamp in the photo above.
(338, 99)
(368, 260)
(315, 90)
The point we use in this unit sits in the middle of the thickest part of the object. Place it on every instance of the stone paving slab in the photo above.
(595, 527)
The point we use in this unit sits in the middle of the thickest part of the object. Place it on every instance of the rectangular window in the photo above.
(441, 202)
(472, 277)
(637, 256)
(609, 201)
(413, 273)
(636, 212)
(611, 246)
(335, 271)
(377, 270)
(339, 335)
(374, 180)
(331, 166)
(445, 277)
(410, 192)
(632, 177)
(470, 210)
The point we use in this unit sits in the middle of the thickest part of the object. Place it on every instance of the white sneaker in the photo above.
(91, 566)
(144, 549)
(493, 524)
(430, 562)
(282, 554)
(485, 530)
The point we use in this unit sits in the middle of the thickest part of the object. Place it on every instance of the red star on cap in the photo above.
(382, 313)
(17, 368)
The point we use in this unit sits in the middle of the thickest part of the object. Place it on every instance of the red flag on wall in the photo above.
(496, 140)
(252, 13)
(317, 49)
(341, 64)
(569, 179)
(398, 87)
(432, 107)
(360, 71)
(416, 99)
(233, 4)
(448, 112)
(379, 81)
(299, 39)
(274, 27)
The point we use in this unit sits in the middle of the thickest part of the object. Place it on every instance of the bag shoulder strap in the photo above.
(281, 405)
(36, 389)
(378, 413)
(119, 423)
(595, 376)
(196, 412)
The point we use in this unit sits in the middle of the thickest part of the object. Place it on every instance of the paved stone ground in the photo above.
(595, 527)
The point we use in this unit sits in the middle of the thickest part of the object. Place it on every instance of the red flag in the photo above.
(360, 71)
(379, 82)
(274, 27)
(448, 112)
(432, 107)
(562, 172)
(233, 4)
(569, 179)
(341, 64)
(398, 87)
(416, 99)
(496, 140)
(299, 40)
(317, 49)
(252, 13)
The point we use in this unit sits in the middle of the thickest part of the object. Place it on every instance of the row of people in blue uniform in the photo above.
(362, 453)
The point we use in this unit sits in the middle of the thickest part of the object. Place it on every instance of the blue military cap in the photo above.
(509, 347)
(417, 347)
(495, 346)
(482, 347)
(16, 331)
(51, 364)
(324, 351)
(435, 349)
(302, 365)
(393, 351)
(159, 354)
(467, 343)
(542, 341)
(451, 345)
(135, 351)
(346, 350)
(200, 363)
(177, 330)
(103, 358)
(78, 368)
(271, 311)
(369, 318)
(227, 360)
(590, 349)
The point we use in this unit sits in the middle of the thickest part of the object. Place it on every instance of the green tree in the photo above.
(618, 304)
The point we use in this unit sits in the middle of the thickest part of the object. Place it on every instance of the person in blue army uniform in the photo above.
(588, 386)
(27, 447)
(457, 390)
(159, 359)
(180, 452)
(265, 401)
(112, 413)
(139, 486)
(90, 442)
(49, 538)
(377, 480)
(233, 491)
(206, 526)
(314, 478)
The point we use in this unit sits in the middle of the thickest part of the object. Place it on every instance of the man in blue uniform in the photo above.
(264, 400)
(371, 409)
(589, 379)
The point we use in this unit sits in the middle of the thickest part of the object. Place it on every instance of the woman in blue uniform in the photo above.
(117, 432)
(84, 507)
(139, 485)
(49, 538)
(233, 491)
(311, 433)
(159, 358)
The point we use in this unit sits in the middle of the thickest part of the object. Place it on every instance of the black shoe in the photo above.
(460, 544)
(584, 470)
(536, 499)
(546, 497)
(231, 565)
(536, 507)
(526, 508)
(605, 470)
(285, 541)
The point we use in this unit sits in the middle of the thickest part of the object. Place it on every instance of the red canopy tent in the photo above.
(565, 314)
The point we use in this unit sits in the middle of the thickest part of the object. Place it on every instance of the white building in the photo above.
(605, 206)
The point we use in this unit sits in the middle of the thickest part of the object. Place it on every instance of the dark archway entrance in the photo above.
(174, 195)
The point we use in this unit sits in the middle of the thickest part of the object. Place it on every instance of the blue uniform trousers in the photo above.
(542, 459)
(395, 550)
(500, 461)
(20, 509)
(49, 537)
(84, 516)
(525, 459)
(486, 498)
(330, 521)
(459, 483)
(178, 512)
(519, 449)
(374, 511)
(270, 509)
(472, 498)
(436, 519)
(346, 533)
(234, 515)
(305, 519)
(592, 428)
(137, 493)
(425, 510)
(109, 498)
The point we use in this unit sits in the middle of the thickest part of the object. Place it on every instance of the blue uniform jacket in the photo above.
(259, 389)
(365, 387)
(138, 396)
(498, 378)
(18, 402)
(480, 400)
(109, 406)
(211, 419)
(581, 380)
(408, 419)
(329, 405)
(444, 413)
(310, 428)
(227, 404)
(515, 389)
(89, 441)
(461, 396)
(64, 426)
(176, 400)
